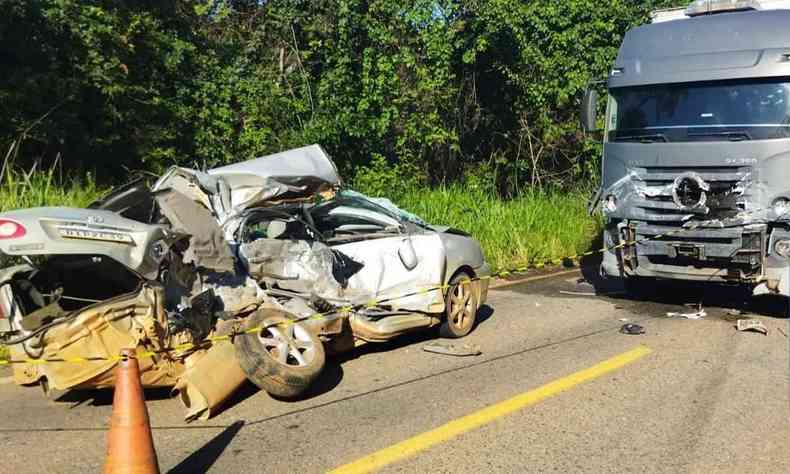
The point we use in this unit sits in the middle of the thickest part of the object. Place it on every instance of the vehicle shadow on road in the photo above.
(205, 457)
(327, 380)
(104, 397)
(679, 293)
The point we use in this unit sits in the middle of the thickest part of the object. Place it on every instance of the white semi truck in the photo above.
(696, 155)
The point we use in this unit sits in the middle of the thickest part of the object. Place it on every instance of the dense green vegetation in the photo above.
(464, 111)
(449, 88)
(535, 227)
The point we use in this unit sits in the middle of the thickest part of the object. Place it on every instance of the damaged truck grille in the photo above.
(669, 196)
(674, 196)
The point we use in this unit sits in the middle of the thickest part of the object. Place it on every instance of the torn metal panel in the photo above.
(296, 265)
(199, 388)
(299, 172)
(235, 294)
(230, 190)
(754, 325)
(207, 246)
(385, 328)
(102, 331)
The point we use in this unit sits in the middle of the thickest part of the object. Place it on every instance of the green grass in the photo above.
(535, 227)
(19, 189)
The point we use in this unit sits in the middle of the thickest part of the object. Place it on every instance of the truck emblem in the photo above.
(689, 191)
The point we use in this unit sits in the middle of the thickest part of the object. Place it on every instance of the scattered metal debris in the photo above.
(698, 314)
(452, 349)
(734, 312)
(632, 329)
(623, 320)
(751, 325)
(577, 293)
(782, 331)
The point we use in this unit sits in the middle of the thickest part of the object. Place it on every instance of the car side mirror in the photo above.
(589, 110)
(407, 255)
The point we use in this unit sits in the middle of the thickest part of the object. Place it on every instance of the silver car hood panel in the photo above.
(297, 168)
(229, 190)
(70, 231)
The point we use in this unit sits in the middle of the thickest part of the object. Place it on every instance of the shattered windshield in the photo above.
(755, 109)
(353, 213)
(381, 205)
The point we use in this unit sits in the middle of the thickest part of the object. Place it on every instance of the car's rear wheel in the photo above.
(460, 307)
(281, 357)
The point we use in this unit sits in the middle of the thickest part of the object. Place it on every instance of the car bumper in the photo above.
(483, 275)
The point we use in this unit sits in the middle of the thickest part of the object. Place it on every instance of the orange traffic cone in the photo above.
(130, 447)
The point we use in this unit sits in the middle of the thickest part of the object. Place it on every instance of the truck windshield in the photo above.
(710, 111)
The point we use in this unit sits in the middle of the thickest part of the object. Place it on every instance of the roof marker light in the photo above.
(707, 7)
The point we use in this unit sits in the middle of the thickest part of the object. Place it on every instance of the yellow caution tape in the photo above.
(345, 311)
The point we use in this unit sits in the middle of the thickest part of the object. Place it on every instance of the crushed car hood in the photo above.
(229, 190)
(70, 231)
(300, 171)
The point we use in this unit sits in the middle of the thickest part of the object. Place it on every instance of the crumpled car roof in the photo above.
(291, 167)
(229, 190)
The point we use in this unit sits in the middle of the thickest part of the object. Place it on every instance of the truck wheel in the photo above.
(283, 358)
(460, 307)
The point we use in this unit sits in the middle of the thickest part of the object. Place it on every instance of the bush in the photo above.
(381, 178)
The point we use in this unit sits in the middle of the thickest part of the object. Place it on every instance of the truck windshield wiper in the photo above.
(733, 136)
(649, 138)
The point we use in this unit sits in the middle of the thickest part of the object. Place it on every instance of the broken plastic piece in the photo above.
(694, 315)
(632, 329)
(751, 325)
(578, 293)
(448, 348)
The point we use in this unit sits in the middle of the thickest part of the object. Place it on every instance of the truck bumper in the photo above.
(723, 255)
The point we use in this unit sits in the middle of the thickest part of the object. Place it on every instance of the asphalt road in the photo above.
(699, 397)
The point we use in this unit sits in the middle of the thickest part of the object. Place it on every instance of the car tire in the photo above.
(281, 357)
(460, 307)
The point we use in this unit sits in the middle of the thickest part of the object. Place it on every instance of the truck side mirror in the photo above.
(589, 109)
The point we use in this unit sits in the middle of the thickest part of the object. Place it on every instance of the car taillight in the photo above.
(11, 230)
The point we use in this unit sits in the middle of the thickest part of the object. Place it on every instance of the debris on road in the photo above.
(754, 325)
(632, 329)
(623, 320)
(699, 314)
(452, 349)
(577, 293)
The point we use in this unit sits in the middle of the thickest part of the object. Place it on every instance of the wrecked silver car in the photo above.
(272, 254)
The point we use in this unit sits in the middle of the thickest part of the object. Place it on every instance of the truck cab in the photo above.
(696, 154)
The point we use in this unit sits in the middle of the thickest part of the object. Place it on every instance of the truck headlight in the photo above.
(782, 207)
(610, 203)
(782, 247)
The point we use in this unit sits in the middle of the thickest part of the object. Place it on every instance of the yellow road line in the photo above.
(421, 442)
